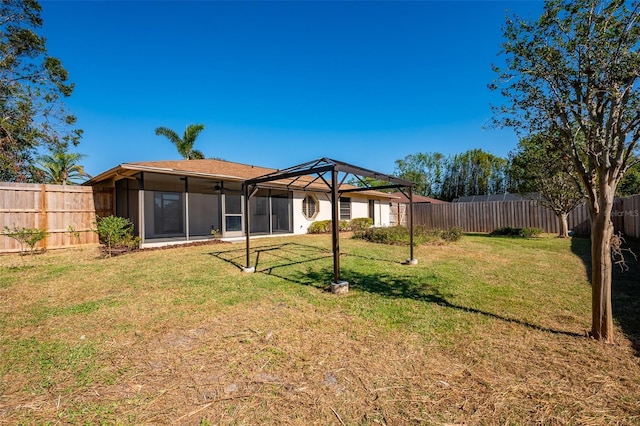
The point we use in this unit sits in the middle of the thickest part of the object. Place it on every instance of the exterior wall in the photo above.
(301, 223)
(359, 208)
(385, 214)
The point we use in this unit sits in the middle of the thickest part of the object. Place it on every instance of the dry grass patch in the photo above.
(486, 331)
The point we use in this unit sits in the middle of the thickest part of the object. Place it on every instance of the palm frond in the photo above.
(191, 133)
(196, 155)
(169, 134)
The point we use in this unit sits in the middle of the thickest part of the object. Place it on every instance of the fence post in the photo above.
(44, 220)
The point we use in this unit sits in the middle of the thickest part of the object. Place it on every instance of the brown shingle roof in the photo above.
(219, 169)
(416, 199)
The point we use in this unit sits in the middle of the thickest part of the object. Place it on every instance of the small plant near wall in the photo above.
(116, 233)
(320, 227)
(324, 226)
(74, 234)
(28, 238)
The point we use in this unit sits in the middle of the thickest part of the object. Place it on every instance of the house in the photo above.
(399, 205)
(190, 200)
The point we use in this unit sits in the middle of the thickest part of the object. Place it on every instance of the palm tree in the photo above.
(184, 144)
(62, 168)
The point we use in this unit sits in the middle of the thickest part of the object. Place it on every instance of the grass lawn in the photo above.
(483, 331)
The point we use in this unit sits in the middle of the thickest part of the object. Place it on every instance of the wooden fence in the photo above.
(487, 216)
(66, 212)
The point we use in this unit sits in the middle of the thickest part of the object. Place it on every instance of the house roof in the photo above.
(402, 199)
(216, 169)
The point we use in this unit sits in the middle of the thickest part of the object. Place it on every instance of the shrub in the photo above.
(343, 225)
(507, 231)
(360, 223)
(29, 237)
(324, 226)
(452, 234)
(391, 235)
(399, 235)
(320, 227)
(116, 232)
(530, 232)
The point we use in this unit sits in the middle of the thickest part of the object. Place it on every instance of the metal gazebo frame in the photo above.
(320, 168)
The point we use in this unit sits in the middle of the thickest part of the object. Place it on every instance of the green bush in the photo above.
(324, 226)
(320, 227)
(391, 235)
(530, 232)
(29, 237)
(507, 231)
(360, 223)
(399, 235)
(116, 232)
(452, 234)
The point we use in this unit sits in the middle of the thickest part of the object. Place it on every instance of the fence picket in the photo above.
(487, 216)
(54, 208)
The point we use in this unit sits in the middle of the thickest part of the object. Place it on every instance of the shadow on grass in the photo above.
(274, 260)
(625, 291)
(392, 286)
(283, 254)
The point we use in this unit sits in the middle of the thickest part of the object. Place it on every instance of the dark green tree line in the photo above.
(474, 172)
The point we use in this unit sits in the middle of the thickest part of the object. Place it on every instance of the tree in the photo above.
(630, 183)
(62, 168)
(32, 87)
(425, 169)
(577, 68)
(474, 172)
(538, 166)
(184, 144)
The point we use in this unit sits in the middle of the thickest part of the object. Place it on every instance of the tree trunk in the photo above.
(601, 233)
(564, 225)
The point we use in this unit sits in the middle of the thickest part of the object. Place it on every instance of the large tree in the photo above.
(32, 87)
(62, 168)
(577, 68)
(539, 168)
(475, 172)
(426, 169)
(184, 144)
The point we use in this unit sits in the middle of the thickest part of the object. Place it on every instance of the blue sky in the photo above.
(281, 83)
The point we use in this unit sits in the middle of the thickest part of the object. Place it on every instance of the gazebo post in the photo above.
(247, 227)
(337, 286)
(412, 260)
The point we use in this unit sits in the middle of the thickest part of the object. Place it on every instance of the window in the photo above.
(310, 206)
(345, 208)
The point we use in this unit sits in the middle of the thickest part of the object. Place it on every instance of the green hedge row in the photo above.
(399, 235)
(356, 224)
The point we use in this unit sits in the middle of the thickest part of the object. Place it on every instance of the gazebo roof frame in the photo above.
(320, 168)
